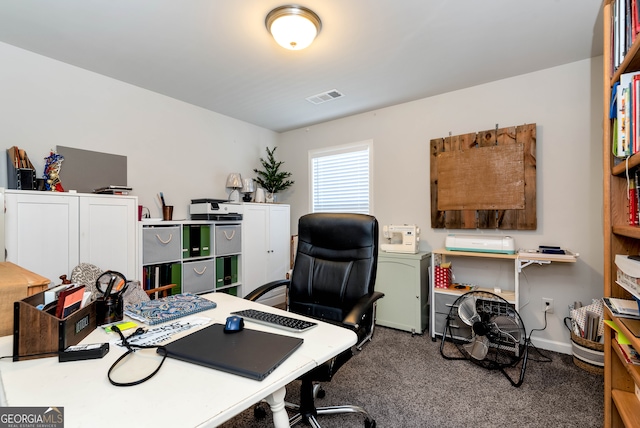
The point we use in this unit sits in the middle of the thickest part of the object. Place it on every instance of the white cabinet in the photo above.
(266, 237)
(108, 233)
(50, 233)
(404, 280)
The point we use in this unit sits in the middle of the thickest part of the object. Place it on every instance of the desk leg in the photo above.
(276, 401)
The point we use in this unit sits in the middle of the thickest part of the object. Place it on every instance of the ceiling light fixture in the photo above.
(293, 27)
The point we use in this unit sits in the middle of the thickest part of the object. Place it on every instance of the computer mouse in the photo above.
(234, 324)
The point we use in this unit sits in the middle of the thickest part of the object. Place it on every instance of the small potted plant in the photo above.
(270, 178)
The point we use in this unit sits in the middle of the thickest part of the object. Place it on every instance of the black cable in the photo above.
(546, 358)
(130, 350)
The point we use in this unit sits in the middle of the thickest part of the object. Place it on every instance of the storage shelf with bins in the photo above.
(199, 256)
(443, 298)
(621, 407)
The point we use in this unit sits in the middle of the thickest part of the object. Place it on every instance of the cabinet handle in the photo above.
(204, 268)
(164, 242)
(229, 238)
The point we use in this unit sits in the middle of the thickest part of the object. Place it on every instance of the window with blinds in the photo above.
(340, 178)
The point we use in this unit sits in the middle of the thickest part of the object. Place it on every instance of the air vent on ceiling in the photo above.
(325, 96)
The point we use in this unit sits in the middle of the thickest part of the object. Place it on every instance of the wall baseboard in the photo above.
(552, 345)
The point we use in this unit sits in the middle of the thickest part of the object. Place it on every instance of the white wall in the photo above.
(566, 104)
(171, 146)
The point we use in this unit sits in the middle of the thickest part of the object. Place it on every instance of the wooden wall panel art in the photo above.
(485, 180)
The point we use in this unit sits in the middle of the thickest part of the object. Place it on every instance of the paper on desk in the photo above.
(157, 335)
(622, 339)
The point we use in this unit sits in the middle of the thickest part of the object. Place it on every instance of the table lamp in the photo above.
(234, 182)
(248, 189)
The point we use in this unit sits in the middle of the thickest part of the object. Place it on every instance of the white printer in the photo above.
(214, 209)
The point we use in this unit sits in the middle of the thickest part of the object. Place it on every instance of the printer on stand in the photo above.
(214, 209)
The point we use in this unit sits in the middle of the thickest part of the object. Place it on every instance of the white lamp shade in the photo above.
(293, 32)
(248, 186)
(234, 181)
(293, 27)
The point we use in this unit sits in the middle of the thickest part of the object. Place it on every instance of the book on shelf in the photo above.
(538, 254)
(168, 308)
(113, 190)
(630, 354)
(623, 30)
(615, 312)
(625, 306)
(154, 276)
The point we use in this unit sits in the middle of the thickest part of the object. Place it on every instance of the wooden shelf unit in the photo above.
(442, 298)
(621, 406)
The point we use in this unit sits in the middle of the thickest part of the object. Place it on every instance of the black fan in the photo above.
(486, 329)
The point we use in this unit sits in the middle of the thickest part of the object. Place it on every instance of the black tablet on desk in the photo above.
(249, 353)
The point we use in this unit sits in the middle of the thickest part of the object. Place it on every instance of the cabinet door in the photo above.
(41, 233)
(399, 281)
(108, 234)
(255, 225)
(279, 238)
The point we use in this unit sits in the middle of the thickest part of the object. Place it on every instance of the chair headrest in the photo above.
(338, 231)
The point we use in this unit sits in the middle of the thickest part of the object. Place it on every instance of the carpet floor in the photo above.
(403, 381)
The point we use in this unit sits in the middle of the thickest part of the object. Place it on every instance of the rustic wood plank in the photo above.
(469, 217)
(437, 217)
(452, 217)
(527, 218)
(487, 218)
(507, 219)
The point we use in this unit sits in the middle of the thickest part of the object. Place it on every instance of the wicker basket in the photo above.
(587, 355)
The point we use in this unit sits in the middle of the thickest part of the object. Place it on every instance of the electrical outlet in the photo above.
(547, 305)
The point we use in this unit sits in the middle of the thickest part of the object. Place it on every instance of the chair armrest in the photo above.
(263, 289)
(163, 290)
(366, 302)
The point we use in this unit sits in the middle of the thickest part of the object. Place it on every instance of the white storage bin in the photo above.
(228, 239)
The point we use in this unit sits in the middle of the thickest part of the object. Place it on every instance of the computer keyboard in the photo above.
(279, 321)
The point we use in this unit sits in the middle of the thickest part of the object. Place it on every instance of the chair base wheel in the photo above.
(369, 423)
(259, 412)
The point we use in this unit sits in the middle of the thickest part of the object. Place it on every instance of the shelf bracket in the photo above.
(524, 263)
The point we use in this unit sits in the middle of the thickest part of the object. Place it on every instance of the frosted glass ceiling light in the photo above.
(293, 27)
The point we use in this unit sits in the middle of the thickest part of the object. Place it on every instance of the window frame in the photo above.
(337, 150)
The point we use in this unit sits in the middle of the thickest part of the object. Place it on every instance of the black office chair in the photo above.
(333, 280)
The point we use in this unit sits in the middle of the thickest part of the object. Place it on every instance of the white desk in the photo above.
(180, 394)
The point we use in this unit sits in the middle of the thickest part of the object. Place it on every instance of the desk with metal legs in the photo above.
(180, 395)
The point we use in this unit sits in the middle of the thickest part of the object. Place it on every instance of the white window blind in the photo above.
(340, 179)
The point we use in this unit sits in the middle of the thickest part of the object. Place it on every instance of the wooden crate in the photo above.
(38, 334)
(16, 283)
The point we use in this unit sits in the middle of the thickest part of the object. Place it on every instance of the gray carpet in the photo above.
(403, 381)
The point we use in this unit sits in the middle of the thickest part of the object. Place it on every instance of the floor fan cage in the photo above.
(486, 329)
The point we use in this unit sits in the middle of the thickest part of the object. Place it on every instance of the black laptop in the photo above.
(249, 353)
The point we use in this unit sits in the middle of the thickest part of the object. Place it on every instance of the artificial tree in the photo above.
(270, 178)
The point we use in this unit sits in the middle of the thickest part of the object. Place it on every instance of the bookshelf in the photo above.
(199, 256)
(621, 406)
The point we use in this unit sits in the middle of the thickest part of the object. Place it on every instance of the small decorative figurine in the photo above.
(52, 172)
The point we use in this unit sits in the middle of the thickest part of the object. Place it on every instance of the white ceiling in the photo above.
(217, 54)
